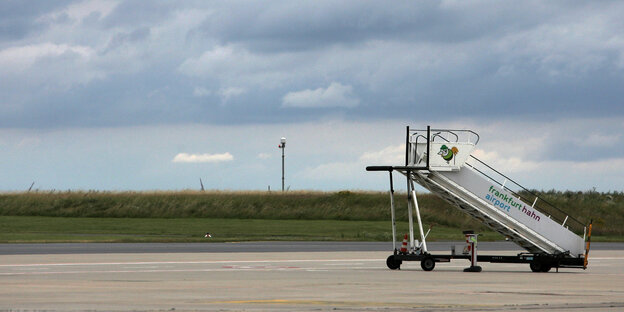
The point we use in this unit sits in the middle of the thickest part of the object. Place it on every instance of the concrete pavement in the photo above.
(298, 281)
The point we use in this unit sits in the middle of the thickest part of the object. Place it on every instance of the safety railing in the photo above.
(527, 196)
(416, 152)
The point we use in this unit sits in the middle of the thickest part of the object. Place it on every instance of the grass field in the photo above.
(124, 230)
(67, 229)
(237, 216)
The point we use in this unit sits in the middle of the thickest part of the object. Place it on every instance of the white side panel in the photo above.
(447, 156)
(492, 195)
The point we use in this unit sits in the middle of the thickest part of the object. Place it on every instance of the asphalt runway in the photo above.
(106, 248)
(299, 281)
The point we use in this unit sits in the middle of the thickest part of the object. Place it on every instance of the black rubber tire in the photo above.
(427, 264)
(539, 266)
(393, 264)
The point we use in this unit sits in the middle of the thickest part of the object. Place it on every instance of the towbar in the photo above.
(379, 168)
(399, 168)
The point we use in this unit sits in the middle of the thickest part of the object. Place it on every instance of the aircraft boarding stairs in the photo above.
(441, 160)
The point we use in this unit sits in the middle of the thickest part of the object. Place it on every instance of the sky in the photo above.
(154, 95)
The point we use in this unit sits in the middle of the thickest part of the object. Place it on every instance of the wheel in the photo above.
(539, 266)
(427, 264)
(393, 264)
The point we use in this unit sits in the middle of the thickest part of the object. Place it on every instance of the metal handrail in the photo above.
(523, 189)
(452, 132)
(438, 135)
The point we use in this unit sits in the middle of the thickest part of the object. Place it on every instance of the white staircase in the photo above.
(441, 161)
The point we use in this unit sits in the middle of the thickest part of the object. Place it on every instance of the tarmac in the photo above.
(298, 281)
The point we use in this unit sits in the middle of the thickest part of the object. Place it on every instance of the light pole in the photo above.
(282, 146)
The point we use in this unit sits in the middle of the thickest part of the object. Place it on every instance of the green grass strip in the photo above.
(26, 229)
(605, 209)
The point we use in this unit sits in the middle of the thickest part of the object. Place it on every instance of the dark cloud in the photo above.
(143, 62)
(317, 24)
(122, 38)
(21, 18)
(141, 13)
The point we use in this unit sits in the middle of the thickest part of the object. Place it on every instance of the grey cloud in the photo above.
(122, 38)
(21, 18)
(141, 13)
(142, 63)
(316, 24)
(553, 138)
(584, 141)
(335, 95)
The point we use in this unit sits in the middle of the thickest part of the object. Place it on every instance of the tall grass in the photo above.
(26, 229)
(606, 209)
